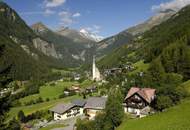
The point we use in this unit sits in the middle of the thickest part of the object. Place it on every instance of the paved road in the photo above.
(70, 123)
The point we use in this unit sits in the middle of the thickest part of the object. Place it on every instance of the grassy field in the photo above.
(140, 66)
(41, 106)
(175, 118)
(186, 85)
(53, 92)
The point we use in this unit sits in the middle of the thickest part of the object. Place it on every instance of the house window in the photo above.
(58, 116)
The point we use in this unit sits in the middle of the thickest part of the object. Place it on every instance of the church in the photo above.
(96, 76)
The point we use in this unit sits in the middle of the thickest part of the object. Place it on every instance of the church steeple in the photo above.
(95, 71)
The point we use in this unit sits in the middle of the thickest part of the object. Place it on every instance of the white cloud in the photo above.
(48, 12)
(54, 3)
(173, 4)
(76, 14)
(32, 13)
(67, 18)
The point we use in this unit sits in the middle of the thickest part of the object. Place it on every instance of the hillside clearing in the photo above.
(140, 66)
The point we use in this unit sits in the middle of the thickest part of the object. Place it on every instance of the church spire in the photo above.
(95, 71)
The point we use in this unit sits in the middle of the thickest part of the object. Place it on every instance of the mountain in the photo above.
(17, 50)
(153, 21)
(75, 35)
(107, 45)
(167, 43)
(91, 36)
(69, 47)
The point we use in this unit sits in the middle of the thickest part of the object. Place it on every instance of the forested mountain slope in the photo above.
(16, 46)
(168, 42)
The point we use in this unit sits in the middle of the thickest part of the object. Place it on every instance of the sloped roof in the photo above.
(96, 103)
(62, 108)
(79, 103)
(146, 93)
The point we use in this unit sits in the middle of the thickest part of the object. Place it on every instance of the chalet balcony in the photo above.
(136, 100)
(139, 106)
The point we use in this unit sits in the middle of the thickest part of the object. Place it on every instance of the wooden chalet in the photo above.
(138, 101)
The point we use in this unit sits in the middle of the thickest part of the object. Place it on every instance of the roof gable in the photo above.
(147, 94)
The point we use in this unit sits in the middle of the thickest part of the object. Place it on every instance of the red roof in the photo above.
(147, 93)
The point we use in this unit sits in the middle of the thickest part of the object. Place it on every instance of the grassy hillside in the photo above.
(139, 67)
(176, 118)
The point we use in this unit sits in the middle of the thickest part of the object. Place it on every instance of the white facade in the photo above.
(76, 111)
(92, 113)
(95, 72)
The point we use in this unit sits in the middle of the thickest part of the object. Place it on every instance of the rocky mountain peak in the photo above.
(91, 36)
(39, 27)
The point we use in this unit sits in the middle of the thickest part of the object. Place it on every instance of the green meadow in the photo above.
(175, 118)
(47, 91)
(54, 91)
(140, 66)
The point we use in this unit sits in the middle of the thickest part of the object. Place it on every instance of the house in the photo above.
(72, 90)
(65, 111)
(91, 89)
(138, 101)
(77, 77)
(112, 71)
(94, 105)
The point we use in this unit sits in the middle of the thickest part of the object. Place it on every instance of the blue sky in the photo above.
(104, 17)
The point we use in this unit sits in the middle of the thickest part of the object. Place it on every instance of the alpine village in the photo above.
(68, 79)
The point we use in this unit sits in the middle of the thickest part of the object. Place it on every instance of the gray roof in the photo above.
(79, 103)
(95, 103)
(62, 108)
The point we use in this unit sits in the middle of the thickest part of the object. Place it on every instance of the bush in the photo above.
(14, 125)
(21, 116)
(163, 102)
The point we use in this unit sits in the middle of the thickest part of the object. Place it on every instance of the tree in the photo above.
(100, 121)
(14, 125)
(4, 108)
(21, 116)
(114, 109)
(157, 72)
(163, 102)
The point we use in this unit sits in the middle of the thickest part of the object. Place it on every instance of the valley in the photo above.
(75, 79)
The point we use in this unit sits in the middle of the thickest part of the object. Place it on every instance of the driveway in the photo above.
(69, 123)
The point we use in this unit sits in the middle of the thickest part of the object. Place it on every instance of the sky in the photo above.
(102, 17)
